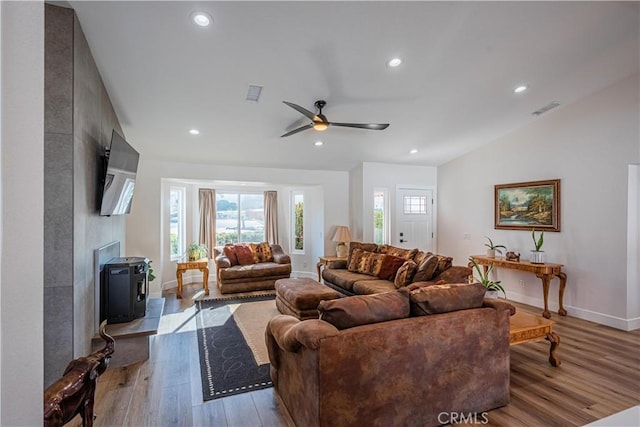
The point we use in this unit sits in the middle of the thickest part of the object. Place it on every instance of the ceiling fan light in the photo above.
(320, 126)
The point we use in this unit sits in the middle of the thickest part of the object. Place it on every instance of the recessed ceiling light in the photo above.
(520, 89)
(194, 132)
(394, 62)
(318, 143)
(201, 19)
(413, 151)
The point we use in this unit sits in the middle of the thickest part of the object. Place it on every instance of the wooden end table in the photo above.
(544, 272)
(525, 327)
(201, 264)
(326, 260)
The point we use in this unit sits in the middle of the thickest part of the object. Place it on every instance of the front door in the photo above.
(414, 219)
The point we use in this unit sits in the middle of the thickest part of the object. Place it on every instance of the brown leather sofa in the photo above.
(412, 371)
(337, 275)
(255, 276)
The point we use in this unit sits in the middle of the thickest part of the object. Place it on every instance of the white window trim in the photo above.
(182, 226)
(293, 223)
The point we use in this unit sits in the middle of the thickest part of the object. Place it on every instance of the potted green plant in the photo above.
(150, 275)
(492, 287)
(537, 256)
(492, 249)
(196, 251)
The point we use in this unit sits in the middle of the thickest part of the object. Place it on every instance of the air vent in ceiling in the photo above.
(546, 108)
(253, 93)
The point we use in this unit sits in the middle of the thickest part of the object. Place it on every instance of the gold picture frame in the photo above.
(528, 205)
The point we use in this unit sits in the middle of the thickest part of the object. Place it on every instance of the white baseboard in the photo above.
(580, 313)
(186, 280)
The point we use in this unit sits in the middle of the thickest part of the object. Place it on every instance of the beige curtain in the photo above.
(271, 216)
(207, 199)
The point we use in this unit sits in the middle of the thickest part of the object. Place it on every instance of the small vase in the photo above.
(491, 253)
(491, 294)
(536, 257)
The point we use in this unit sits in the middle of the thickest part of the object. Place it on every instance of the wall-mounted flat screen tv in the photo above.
(120, 177)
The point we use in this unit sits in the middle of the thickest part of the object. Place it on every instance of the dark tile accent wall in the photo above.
(79, 118)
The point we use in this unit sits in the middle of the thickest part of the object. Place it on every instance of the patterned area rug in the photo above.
(233, 354)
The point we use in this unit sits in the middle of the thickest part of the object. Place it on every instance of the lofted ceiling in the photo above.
(453, 92)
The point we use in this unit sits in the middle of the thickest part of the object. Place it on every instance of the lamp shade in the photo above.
(342, 234)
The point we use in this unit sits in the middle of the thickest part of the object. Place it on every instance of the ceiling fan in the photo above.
(320, 122)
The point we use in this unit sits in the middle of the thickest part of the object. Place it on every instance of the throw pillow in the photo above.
(445, 298)
(405, 274)
(389, 267)
(399, 252)
(230, 252)
(426, 269)
(244, 254)
(354, 260)
(444, 262)
(359, 310)
(262, 252)
(365, 247)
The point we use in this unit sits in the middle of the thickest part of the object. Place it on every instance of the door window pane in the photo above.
(415, 204)
(177, 222)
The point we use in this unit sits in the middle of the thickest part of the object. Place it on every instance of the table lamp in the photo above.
(342, 236)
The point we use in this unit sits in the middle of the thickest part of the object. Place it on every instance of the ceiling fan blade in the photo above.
(301, 110)
(371, 126)
(300, 129)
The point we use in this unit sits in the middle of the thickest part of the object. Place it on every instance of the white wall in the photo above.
(328, 191)
(372, 176)
(22, 238)
(588, 145)
(633, 246)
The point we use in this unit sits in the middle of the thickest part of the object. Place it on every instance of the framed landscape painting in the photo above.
(528, 205)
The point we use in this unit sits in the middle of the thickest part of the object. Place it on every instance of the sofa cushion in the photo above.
(368, 247)
(244, 254)
(445, 298)
(426, 269)
(230, 252)
(405, 274)
(260, 271)
(262, 252)
(444, 262)
(367, 287)
(343, 278)
(359, 310)
(405, 254)
(379, 265)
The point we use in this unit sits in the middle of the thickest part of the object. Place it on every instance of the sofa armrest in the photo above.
(279, 257)
(338, 265)
(499, 305)
(455, 274)
(290, 334)
(222, 261)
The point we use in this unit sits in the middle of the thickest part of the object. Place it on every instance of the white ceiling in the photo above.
(452, 94)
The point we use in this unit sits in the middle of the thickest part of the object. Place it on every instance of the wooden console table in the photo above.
(544, 272)
(202, 265)
(326, 260)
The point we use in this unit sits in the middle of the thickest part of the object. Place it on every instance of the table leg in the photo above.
(179, 278)
(554, 339)
(563, 281)
(545, 293)
(205, 279)
(318, 265)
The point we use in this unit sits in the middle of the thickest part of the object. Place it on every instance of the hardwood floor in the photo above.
(599, 376)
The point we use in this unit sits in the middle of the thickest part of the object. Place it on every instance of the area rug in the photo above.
(233, 354)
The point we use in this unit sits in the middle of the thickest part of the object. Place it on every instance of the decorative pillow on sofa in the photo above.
(426, 269)
(405, 274)
(444, 298)
(365, 247)
(245, 255)
(230, 252)
(444, 262)
(406, 254)
(359, 310)
(373, 264)
(262, 252)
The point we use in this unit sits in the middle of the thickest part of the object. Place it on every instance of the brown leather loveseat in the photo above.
(250, 267)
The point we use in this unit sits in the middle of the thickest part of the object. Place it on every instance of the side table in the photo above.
(201, 264)
(326, 260)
